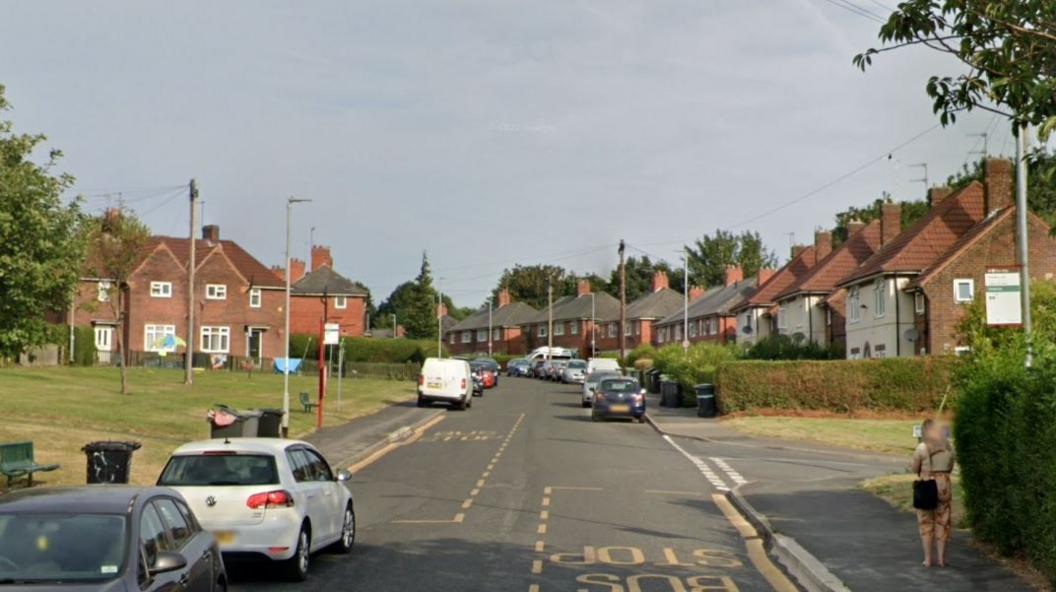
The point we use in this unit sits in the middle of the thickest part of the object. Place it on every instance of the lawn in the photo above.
(897, 490)
(61, 409)
(892, 436)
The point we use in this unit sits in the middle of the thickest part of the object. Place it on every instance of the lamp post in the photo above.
(593, 326)
(394, 335)
(286, 322)
(490, 306)
(685, 302)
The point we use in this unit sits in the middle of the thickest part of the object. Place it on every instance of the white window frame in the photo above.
(693, 329)
(207, 333)
(256, 297)
(854, 305)
(496, 334)
(450, 337)
(152, 332)
(161, 289)
(559, 328)
(678, 332)
(957, 283)
(782, 315)
(541, 332)
(467, 337)
(340, 302)
(628, 328)
(919, 304)
(106, 344)
(482, 335)
(612, 330)
(216, 291)
(879, 298)
(961, 350)
(102, 293)
(573, 328)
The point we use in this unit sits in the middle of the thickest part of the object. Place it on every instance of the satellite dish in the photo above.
(747, 329)
(798, 337)
(911, 334)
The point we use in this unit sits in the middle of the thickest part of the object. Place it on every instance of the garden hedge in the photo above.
(366, 349)
(841, 386)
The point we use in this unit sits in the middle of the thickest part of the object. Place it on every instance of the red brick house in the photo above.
(641, 314)
(908, 298)
(470, 335)
(324, 292)
(238, 302)
(711, 317)
(572, 322)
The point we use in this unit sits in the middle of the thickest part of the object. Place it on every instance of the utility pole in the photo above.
(439, 321)
(549, 319)
(188, 357)
(394, 336)
(685, 302)
(490, 298)
(623, 303)
(286, 323)
(1021, 235)
(593, 325)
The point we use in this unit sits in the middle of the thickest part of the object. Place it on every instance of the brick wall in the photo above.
(306, 312)
(509, 342)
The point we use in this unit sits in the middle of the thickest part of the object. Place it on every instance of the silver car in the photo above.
(590, 384)
(575, 372)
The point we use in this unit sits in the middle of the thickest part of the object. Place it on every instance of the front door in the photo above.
(254, 351)
(104, 340)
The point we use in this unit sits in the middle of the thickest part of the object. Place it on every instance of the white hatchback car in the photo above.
(265, 497)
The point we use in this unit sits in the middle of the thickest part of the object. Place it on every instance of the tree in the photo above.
(414, 304)
(640, 272)
(42, 246)
(1008, 47)
(115, 246)
(1042, 195)
(911, 212)
(527, 283)
(712, 254)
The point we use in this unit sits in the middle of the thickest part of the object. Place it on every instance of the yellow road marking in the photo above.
(459, 517)
(355, 468)
(548, 490)
(426, 521)
(466, 504)
(486, 474)
(666, 492)
(539, 546)
(546, 501)
(480, 483)
(544, 515)
(541, 529)
(777, 580)
(533, 588)
(474, 492)
(570, 488)
(537, 566)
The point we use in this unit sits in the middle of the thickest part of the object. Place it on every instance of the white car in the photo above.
(595, 364)
(590, 384)
(447, 381)
(265, 498)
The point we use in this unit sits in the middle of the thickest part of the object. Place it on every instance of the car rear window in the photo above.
(577, 365)
(219, 469)
(619, 386)
(61, 549)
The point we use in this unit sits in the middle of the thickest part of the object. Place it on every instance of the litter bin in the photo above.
(706, 404)
(670, 394)
(109, 462)
(226, 422)
(270, 423)
(652, 381)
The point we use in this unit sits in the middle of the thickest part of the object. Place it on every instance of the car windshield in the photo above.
(220, 469)
(619, 386)
(597, 377)
(577, 365)
(61, 547)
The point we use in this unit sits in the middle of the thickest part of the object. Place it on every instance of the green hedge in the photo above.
(84, 346)
(695, 366)
(366, 349)
(844, 386)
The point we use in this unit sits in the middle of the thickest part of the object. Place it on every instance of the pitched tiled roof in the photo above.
(968, 239)
(766, 295)
(927, 240)
(822, 278)
(607, 308)
(511, 315)
(254, 271)
(327, 281)
(655, 305)
(716, 301)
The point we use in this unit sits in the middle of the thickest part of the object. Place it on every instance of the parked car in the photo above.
(574, 372)
(590, 384)
(478, 386)
(265, 498)
(595, 364)
(482, 375)
(446, 381)
(491, 366)
(539, 368)
(107, 539)
(554, 369)
(518, 367)
(618, 397)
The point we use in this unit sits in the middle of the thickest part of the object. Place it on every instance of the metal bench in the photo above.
(16, 461)
(307, 403)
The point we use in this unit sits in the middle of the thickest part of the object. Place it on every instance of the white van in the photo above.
(602, 364)
(557, 353)
(447, 381)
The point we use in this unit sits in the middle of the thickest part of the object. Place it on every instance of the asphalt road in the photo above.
(523, 492)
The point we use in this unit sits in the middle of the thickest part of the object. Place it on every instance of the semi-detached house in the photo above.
(644, 312)
(323, 293)
(471, 334)
(574, 323)
(758, 316)
(710, 315)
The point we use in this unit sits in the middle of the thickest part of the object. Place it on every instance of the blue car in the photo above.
(618, 397)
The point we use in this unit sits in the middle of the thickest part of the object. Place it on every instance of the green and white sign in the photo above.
(1003, 299)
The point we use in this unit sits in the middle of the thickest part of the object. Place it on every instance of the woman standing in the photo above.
(934, 459)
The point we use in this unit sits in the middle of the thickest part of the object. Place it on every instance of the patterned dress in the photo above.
(935, 461)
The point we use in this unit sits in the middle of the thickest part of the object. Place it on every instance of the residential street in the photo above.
(523, 492)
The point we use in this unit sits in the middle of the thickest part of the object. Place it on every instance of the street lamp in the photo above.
(394, 336)
(490, 305)
(286, 323)
(685, 302)
(593, 326)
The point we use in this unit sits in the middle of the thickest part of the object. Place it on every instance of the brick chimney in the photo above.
(321, 256)
(696, 292)
(583, 288)
(937, 194)
(796, 250)
(734, 274)
(854, 227)
(822, 244)
(504, 298)
(890, 222)
(998, 181)
(296, 270)
(211, 233)
(764, 275)
(278, 271)
(659, 280)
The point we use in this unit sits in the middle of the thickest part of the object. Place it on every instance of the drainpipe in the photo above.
(810, 320)
(898, 320)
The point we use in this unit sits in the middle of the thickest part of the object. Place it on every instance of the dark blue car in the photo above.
(618, 397)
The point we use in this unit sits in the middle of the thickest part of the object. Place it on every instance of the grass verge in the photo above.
(891, 436)
(62, 409)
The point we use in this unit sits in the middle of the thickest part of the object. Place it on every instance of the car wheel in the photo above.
(348, 532)
(586, 404)
(593, 417)
(422, 402)
(296, 567)
(468, 403)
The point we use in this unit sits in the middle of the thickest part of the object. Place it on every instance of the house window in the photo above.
(612, 329)
(340, 302)
(154, 338)
(496, 334)
(467, 337)
(879, 299)
(482, 335)
(450, 338)
(559, 329)
(627, 329)
(216, 340)
(215, 292)
(104, 337)
(542, 331)
(781, 317)
(918, 303)
(963, 290)
(103, 291)
(161, 289)
(854, 305)
(573, 328)
(693, 329)
(828, 316)
(638, 328)
(961, 350)
(678, 333)
(254, 297)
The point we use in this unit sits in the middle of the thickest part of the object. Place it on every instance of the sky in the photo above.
(485, 132)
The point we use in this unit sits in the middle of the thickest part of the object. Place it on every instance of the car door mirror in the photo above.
(343, 475)
(168, 561)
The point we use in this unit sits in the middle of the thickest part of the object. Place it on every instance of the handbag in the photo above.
(926, 491)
